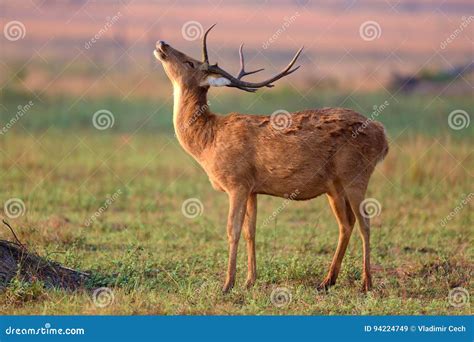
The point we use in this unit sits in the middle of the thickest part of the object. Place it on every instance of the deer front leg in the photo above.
(249, 234)
(237, 208)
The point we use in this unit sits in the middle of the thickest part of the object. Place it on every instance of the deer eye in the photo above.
(190, 64)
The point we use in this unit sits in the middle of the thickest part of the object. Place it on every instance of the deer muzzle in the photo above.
(160, 51)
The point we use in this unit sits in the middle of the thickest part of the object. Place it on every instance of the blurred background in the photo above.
(86, 50)
(92, 176)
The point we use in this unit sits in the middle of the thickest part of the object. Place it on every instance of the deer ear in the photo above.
(214, 81)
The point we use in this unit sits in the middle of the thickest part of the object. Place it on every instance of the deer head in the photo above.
(188, 72)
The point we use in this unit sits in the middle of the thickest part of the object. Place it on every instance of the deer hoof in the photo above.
(249, 283)
(367, 285)
(325, 285)
(227, 287)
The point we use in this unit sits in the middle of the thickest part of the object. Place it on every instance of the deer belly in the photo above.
(295, 186)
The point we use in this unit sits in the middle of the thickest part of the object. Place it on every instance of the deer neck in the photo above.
(192, 120)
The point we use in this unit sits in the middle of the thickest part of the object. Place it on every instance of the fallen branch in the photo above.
(13, 232)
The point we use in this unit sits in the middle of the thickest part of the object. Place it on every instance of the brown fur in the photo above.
(244, 155)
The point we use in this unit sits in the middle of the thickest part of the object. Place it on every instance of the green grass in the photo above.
(426, 114)
(157, 261)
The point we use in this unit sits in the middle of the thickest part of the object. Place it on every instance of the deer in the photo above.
(247, 155)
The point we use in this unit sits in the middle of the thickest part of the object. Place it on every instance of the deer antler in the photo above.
(236, 81)
(242, 71)
(205, 57)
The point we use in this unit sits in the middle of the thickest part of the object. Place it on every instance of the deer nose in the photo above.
(161, 44)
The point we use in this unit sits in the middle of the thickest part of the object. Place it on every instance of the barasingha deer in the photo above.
(246, 155)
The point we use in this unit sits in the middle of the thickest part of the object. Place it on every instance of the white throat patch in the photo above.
(217, 81)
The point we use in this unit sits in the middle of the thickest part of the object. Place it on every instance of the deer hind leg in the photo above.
(249, 234)
(356, 196)
(345, 219)
(237, 208)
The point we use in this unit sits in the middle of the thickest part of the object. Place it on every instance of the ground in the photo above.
(156, 260)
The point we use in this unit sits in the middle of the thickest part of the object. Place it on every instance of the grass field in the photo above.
(157, 261)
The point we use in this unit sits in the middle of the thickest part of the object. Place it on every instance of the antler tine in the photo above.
(242, 71)
(287, 70)
(205, 57)
(250, 86)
